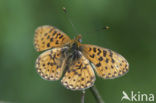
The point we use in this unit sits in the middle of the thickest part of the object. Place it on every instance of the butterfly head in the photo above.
(78, 38)
(75, 43)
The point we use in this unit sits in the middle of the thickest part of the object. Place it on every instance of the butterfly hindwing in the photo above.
(108, 64)
(79, 74)
(47, 37)
(50, 64)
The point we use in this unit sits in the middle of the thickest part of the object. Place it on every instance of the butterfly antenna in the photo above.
(67, 16)
(103, 28)
(99, 29)
(106, 28)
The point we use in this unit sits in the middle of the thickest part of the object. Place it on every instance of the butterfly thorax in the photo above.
(74, 48)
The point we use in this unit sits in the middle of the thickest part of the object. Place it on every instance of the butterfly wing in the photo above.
(79, 74)
(108, 64)
(47, 37)
(50, 64)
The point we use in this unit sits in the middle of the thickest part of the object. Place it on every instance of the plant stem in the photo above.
(96, 95)
(83, 96)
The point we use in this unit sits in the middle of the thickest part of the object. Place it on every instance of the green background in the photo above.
(132, 33)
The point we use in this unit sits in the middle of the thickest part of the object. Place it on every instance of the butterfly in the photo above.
(76, 63)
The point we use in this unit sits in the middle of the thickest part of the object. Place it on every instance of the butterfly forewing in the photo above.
(79, 74)
(107, 63)
(47, 37)
(50, 64)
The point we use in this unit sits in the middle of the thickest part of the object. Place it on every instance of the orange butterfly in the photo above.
(75, 61)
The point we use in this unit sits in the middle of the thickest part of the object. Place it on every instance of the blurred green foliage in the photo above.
(132, 33)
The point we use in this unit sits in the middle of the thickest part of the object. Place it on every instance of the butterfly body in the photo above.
(74, 61)
(74, 48)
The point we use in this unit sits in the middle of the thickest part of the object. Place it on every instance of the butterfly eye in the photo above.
(80, 40)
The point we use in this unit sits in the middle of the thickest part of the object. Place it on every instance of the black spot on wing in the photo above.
(54, 33)
(99, 51)
(113, 61)
(60, 36)
(100, 59)
(48, 37)
(57, 35)
(51, 30)
(56, 42)
(111, 54)
(98, 65)
(107, 60)
(90, 49)
(94, 49)
(92, 56)
(48, 45)
(104, 53)
(51, 40)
